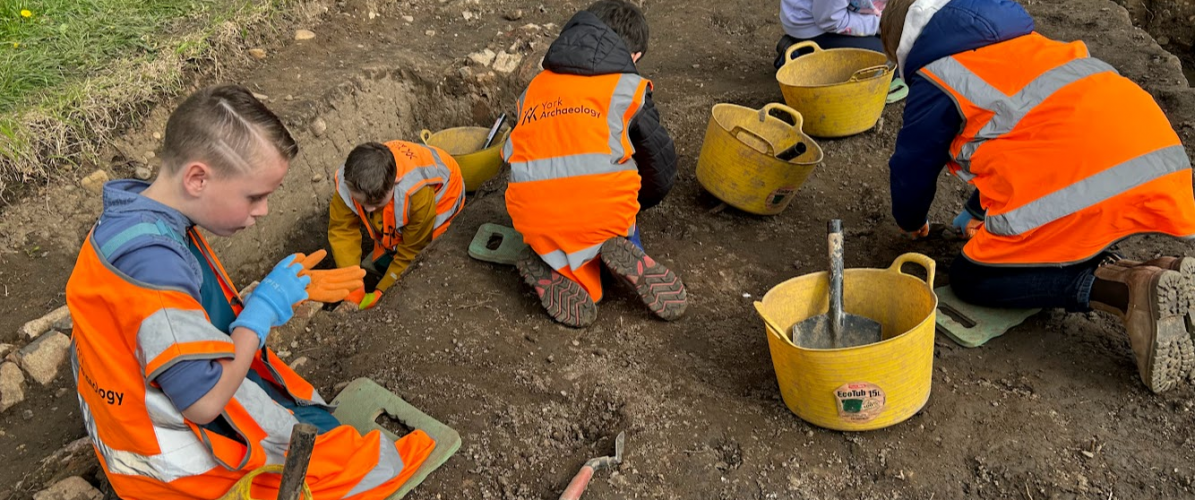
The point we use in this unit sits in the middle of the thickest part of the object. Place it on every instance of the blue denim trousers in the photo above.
(1025, 287)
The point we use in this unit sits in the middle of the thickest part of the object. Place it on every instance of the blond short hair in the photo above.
(226, 127)
(892, 25)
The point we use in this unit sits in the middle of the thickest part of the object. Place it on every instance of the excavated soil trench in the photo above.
(1051, 410)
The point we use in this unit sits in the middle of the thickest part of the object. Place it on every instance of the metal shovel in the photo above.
(835, 329)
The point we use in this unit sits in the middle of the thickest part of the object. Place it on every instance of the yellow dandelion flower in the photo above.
(26, 13)
(15, 45)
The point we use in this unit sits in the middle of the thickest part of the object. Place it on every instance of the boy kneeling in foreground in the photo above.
(178, 392)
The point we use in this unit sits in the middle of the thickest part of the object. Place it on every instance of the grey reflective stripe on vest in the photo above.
(586, 163)
(389, 466)
(1007, 111)
(168, 327)
(420, 175)
(559, 260)
(620, 102)
(456, 207)
(1089, 191)
(567, 166)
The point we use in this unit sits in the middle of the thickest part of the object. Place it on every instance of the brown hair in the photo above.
(892, 26)
(225, 127)
(370, 170)
(625, 19)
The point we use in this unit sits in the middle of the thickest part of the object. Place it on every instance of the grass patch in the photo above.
(72, 72)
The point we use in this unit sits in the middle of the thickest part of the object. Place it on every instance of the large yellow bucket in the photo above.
(865, 387)
(738, 161)
(464, 144)
(840, 92)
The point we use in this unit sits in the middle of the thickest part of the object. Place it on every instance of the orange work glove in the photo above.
(329, 285)
(364, 300)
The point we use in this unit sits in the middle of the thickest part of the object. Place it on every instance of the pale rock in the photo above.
(95, 181)
(372, 15)
(42, 358)
(532, 27)
(506, 62)
(261, 97)
(71, 488)
(143, 173)
(483, 58)
(1163, 40)
(513, 16)
(33, 329)
(301, 35)
(299, 363)
(317, 178)
(318, 127)
(289, 97)
(149, 155)
(468, 15)
(12, 385)
(5, 349)
(258, 54)
(408, 19)
(157, 136)
(430, 32)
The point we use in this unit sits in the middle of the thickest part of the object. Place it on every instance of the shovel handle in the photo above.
(577, 486)
(834, 242)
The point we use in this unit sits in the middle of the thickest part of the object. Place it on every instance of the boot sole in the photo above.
(1187, 269)
(658, 287)
(1173, 353)
(565, 300)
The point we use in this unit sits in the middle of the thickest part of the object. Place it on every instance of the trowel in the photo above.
(580, 481)
(836, 329)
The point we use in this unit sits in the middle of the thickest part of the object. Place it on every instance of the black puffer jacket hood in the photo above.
(586, 46)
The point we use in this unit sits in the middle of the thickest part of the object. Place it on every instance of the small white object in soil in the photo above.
(301, 35)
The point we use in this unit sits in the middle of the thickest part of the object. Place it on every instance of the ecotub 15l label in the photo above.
(859, 401)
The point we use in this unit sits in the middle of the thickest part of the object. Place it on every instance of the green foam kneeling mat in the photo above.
(497, 244)
(972, 326)
(363, 401)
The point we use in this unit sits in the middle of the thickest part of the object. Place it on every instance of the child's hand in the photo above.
(273, 301)
(364, 300)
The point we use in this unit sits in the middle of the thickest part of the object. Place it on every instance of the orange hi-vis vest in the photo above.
(417, 167)
(126, 333)
(573, 183)
(1068, 156)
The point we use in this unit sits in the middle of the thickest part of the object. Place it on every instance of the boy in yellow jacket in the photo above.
(404, 195)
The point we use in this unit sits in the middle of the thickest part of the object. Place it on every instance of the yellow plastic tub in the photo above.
(464, 144)
(840, 92)
(859, 388)
(738, 163)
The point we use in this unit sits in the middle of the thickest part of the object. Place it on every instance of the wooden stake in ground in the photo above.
(298, 455)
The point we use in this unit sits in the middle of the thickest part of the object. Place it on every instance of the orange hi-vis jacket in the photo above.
(418, 166)
(573, 183)
(1068, 156)
(127, 332)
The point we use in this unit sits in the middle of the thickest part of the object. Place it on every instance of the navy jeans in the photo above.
(828, 41)
(1009, 287)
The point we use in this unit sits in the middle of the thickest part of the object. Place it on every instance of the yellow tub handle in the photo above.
(798, 120)
(768, 321)
(734, 132)
(788, 54)
(868, 73)
(425, 135)
(916, 258)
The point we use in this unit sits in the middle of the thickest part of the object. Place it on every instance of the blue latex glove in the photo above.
(272, 302)
(960, 222)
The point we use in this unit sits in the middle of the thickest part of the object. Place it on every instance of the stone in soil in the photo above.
(258, 54)
(42, 358)
(71, 488)
(301, 35)
(483, 58)
(318, 127)
(143, 173)
(12, 385)
(506, 62)
(95, 181)
(33, 329)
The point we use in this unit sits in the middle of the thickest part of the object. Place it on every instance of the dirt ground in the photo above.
(1052, 410)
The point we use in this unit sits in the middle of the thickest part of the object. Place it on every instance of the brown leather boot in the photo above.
(1186, 267)
(1158, 301)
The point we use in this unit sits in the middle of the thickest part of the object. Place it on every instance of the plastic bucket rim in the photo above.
(919, 325)
(502, 134)
(821, 154)
(890, 70)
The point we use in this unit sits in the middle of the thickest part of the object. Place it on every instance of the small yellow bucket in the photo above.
(464, 144)
(840, 92)
(858, 388)
(738, 161)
